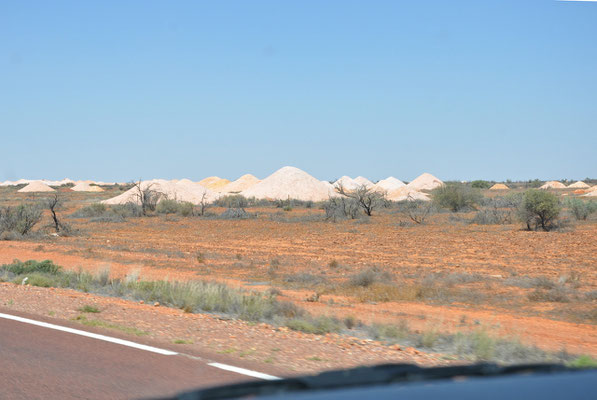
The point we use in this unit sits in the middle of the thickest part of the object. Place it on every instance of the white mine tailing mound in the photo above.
(425, 181)
(499, 186)
(405, 193)
(36, 186)
(289, 182)
(209, 180)
(181, 191)
(361, 181)
(553, 185)
(243, 183)
(86, 187)
(579, 185)
(217, 185)
(389, 184)
(347, 183)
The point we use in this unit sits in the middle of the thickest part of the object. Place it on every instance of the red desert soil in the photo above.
(259, 253)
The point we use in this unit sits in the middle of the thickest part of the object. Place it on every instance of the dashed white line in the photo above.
(134, 345)
(244, 371)
(90, 335)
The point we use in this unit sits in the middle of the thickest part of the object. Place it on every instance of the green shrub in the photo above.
(19, 268)
(539, 209)
(480, 184)
(168, 206)
(583, 362)
(456, 197)
(581, 209)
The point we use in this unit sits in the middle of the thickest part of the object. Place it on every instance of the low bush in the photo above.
(318, 325)
(20, 220)
(168, 206)
(369, 277)
(539, 210)
(417, 210)
(456, 197)
(581, 209)
(498, 210)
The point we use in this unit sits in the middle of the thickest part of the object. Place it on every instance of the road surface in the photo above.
(42, 362)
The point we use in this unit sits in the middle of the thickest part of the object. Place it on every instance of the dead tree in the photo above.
(53, 203)
(146, 196)
(367, 198)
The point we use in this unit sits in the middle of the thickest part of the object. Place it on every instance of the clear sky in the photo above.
(116, 90)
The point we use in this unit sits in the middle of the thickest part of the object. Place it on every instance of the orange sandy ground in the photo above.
(242, 253)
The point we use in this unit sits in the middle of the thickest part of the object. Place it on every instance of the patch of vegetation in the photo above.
(168, 206)
(368, 277)
(18, 221)
(182, 341)
(456, 197)
(481, 184)
(539, 210)
(583, 361)
(108, 325)
(581, 209)
(317, 325)
(89, 309)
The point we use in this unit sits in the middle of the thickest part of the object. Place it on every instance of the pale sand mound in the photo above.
(553, 185)
(36, 186)
(16, 183)
(242, 183)
(216, 185)
(347, 183)
(181, 191)
(405, 193)
(86, 187)
(499, 186)
(579, 185)
(361, 181)
(425, 181)
(289, 182)
(208, 181)
(389, 184)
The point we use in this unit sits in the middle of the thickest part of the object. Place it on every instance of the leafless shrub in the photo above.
(147, 197)
(417, 210)
(366, 198)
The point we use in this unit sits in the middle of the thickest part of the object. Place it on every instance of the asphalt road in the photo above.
(37, 362)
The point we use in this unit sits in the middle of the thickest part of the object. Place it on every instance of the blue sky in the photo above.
(116, 90)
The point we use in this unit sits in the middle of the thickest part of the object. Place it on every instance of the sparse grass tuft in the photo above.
(89, 309)
(583, 361)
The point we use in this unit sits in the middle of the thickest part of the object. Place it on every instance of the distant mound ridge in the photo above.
(553, 185)
(579, 185)
(289, 182)
(183, 190)
(361, 181)
(425, 181)
(86, 187)
(36, 186)
(347, 183)
(406, 194)
(243, 183)
(389, 184)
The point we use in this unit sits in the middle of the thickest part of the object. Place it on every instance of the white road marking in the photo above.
(134, 345)
(243, 371)
(90, 335)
